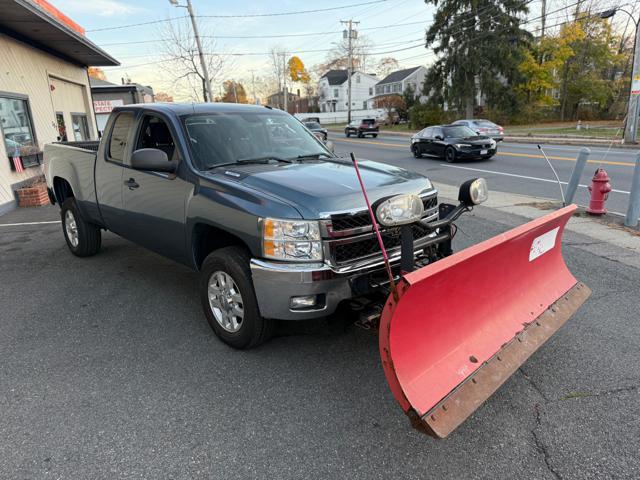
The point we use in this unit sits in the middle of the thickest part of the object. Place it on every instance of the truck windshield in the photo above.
(225, 138)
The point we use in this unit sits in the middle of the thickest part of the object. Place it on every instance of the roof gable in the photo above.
(398, 75)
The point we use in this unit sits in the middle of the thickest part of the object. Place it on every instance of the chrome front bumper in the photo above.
(275, 283)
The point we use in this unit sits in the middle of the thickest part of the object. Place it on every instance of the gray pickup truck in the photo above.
(275, 223)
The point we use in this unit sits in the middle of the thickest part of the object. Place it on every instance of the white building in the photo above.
(333, 91)
(44, 88)
(398, 81)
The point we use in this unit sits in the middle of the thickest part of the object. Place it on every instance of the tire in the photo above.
(252, 329)
(360, 135)
(416, 152)
(347, 134)
(83, 238)
(450, 155)
(375, 135)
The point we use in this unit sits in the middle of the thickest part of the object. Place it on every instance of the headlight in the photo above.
(400, 210)
(473, 192)
(462, 145)
(291, 239)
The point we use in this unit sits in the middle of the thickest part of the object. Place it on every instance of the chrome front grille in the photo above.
(351, 237)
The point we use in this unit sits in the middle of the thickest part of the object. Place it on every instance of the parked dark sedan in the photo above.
(453, 142)
(366, 126)
(316, 129)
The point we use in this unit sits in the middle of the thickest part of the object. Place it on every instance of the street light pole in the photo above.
(631, 127)
(203, 63)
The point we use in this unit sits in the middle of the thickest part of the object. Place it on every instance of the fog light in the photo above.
(303, 302)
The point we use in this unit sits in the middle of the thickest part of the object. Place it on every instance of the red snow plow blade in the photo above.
(461, 326)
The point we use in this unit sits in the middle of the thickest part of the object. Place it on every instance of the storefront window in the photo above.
(80, 127)
(15, 124)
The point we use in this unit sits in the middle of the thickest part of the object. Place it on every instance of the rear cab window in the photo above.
(119, 136)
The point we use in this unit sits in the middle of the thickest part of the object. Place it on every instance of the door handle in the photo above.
(131, 183)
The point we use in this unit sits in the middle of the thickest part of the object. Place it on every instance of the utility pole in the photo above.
(633, 109)
(350, 34)
(253, 86)
(544, 18)
(207, 84)
(633, 112)
(284, 81)
(235, 92)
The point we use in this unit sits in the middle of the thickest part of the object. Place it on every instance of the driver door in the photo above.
(156, 201)
(438, 144)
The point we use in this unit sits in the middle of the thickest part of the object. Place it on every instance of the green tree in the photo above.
(479, 45)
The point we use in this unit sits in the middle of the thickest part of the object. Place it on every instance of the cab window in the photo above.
(155, 133)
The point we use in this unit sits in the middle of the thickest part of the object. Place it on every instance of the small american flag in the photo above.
(17, 163)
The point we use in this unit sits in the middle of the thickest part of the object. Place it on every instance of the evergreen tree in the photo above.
(479, 45)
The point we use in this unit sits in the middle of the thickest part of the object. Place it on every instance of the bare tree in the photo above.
(182, 63)
(277, 62)
(337, 58)
(386, 65)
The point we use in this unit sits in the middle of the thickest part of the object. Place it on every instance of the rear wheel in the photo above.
(360, 135)
(229, 300)
(347, 134)
(83, 238)
(450, 154)
(375, 135)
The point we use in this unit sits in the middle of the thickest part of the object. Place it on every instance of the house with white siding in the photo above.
(44, 88)
(333, 90)
(398, 81)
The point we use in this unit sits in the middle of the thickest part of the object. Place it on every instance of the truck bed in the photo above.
(91, 145)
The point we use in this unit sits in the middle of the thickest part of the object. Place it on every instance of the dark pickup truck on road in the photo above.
(275, 222)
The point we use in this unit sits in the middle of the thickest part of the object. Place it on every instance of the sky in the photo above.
(394, 27)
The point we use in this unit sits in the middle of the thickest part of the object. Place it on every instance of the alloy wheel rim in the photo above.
(225, 301)
(71, 227)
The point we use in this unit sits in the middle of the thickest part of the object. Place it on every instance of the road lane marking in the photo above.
(27, 223)
(521, 176)
(500, 152)
(570, 159)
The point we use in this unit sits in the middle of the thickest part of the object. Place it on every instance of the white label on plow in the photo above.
(543, 243)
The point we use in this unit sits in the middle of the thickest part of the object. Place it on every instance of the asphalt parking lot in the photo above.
(108, 369)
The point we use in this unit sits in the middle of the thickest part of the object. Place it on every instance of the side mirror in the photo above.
(152, 159)
(439, 137)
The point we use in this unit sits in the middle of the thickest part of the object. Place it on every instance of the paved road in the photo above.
(517, 168)
(109, 370)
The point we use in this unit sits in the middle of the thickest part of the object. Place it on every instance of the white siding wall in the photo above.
(359, 92)
(26, 71)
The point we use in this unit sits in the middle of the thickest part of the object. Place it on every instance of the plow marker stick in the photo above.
(463, 325)
(392, 282)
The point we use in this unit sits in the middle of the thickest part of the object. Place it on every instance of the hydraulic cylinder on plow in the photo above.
(452, 332)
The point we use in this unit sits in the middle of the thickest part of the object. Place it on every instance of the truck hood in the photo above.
(317, 188)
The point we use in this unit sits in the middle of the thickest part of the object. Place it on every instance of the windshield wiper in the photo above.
(247, 161)
(264, 159)
(314, 156)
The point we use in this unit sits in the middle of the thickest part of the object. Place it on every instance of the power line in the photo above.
(248, 15)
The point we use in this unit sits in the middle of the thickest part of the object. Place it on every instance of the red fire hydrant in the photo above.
(599, 188)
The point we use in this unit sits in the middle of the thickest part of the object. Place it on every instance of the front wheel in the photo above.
(450, 154)
(229, 300)
(347, 134)
(416, 152)
(375, 135)
(83, 238)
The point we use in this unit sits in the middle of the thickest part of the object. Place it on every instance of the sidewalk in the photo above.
(602, 236)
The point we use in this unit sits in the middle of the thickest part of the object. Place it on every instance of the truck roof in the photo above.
(197, 108)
